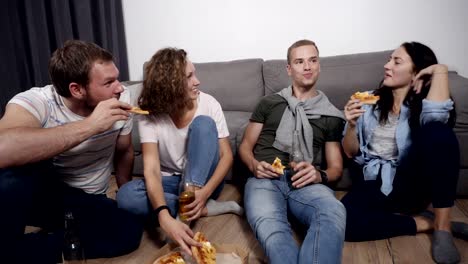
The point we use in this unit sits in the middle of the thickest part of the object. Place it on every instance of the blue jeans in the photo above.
(203, 157)
(268, 204)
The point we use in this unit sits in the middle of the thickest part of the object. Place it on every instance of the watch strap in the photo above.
(324, 176)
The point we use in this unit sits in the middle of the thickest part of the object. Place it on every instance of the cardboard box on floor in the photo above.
(224, 253)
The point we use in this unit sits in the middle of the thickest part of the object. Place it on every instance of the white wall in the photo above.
(219, 30)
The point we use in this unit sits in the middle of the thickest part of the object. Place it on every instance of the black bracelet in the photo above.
(324, 176)
(159, 209)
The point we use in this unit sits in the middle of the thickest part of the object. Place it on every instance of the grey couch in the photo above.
(239, 85)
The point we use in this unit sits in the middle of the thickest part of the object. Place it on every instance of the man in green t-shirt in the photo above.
(300, 190)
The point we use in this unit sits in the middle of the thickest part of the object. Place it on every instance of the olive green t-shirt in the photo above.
(270, 111)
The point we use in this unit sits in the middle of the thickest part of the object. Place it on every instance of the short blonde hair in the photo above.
(300, 43)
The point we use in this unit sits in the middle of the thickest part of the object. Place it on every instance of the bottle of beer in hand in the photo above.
(295, 156)
(72, 249)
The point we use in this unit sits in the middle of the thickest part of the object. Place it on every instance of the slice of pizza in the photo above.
(279, 168)
(171, 258)
(137, 110)
(366, 97)
(206, 254)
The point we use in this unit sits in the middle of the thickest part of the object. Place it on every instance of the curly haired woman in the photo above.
(184, 140)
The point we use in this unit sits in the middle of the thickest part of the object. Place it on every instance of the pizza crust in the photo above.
(197, 255)
(206, 254)
(365, 97)
(137, 110)
(171, 258)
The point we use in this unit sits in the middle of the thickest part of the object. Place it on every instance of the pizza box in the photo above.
(225, 253)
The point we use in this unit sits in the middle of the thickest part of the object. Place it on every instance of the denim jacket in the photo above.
(431, 112)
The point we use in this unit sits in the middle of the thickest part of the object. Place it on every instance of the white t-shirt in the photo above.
(171, 140)
(87, 166)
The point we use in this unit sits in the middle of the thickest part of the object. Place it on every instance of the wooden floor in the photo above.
(407, 249)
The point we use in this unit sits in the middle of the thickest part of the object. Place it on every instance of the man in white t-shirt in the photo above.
(58, 147)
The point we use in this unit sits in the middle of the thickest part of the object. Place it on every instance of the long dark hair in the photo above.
(422, 57)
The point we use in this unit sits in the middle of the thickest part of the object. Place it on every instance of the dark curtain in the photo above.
(33, 29)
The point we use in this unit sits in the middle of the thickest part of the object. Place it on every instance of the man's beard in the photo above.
(91, 104)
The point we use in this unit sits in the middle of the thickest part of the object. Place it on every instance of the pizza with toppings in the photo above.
(137, 110)
(366, 97)
(206, 254)
(279, 168)
(171, 258)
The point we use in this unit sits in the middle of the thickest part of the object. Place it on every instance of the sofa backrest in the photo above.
(239, 85)
(459, 92)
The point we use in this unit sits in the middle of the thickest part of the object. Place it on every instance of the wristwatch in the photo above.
(324, 176)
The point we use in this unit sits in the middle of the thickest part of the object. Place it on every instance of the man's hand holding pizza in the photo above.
(105, 114)
(264, 170)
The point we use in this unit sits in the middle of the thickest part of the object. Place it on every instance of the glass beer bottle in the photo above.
(295, 156)
(187, 196)
(73, 252)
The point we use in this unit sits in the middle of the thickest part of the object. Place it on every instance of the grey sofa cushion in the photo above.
(236, 121)
(340, 76)
(237, 85)
(459, 92)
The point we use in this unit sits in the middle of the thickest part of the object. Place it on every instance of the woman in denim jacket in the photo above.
(406, 156)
